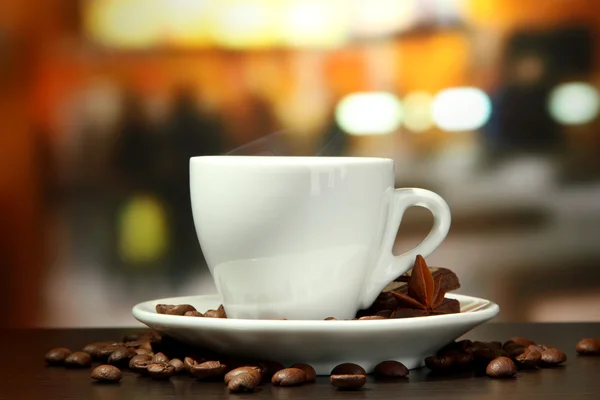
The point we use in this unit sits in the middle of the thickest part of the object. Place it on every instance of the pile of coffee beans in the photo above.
(159, 358)
(495, 359)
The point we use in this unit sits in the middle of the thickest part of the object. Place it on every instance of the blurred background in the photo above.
(493, 104)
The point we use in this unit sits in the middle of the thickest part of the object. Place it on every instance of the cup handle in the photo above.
(389, 267)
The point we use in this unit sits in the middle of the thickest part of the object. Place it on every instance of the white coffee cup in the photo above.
(304, 237)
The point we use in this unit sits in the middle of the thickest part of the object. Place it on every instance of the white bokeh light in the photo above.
(574, 103)
(461, 109)
(369, 113)
(417, 111)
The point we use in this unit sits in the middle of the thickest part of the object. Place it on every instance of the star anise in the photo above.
(426, 294)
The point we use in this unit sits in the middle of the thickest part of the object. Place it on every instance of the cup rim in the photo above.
(288, 160)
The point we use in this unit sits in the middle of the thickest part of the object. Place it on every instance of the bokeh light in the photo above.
(417, 111)
(574, 103)
(369, 113)
(461, 109)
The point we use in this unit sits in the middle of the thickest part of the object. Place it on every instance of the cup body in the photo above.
(291, 237)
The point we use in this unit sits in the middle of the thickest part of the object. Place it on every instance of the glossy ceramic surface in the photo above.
(323, 344)
(304, 237)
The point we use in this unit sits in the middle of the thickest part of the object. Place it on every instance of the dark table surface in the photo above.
(23, 374)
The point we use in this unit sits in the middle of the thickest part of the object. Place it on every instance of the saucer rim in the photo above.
(140, 312)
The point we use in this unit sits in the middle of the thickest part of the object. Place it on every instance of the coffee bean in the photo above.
(193, 314)
(553, 356)
(243, 379)
(514, 350)
(522, 341)
(310, 372)
(208, 370)
(107, 373)
(218, 313)
(501, 367)
(269, 368)
(384, 313)
(483, 356)
(348, 382)
(121, 355)
(371, 317)
(146, 345)
(160, 358)
(103, 352)
(143, 351)
(528, 359)
(535, 347)
(57, 356)
(441, 363)
(160, 371)
(131, 337)
(331, 319)
(289, 377)
(189, 362)
(254, 371)
(163, 308)
(140, 363)
(390, 369)
(179, 309)
(79, 359)
(348, 369)
(588, 346)
(177, 364)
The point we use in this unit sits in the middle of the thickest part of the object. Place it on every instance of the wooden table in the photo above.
(23, 374)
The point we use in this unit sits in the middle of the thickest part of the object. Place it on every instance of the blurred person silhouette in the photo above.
(140, 223)
(189, 131)
(520, 121)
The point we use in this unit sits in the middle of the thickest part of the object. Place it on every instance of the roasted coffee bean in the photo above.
(144, 351)
(177, 364)
(522, 341)
(528, 359)
(462, 360)
(121, 355)
(132, 337)
(79, 359)
(218, 313)
(189, 362)
(107, 373)
(384, 313)
(160, 358)
(348, 369)
(254, 371)
(103, 352)
(514, 349)
(160, 371)
(208, 370)
(348, 382)
(146, 345)
(390, 369)
(140, 363)
(310, 372)
(179, 309)
(466, 346)
(370, 317)
(269, 368)
(536, 348)
(501, 367)
(57, 356)
(588, 346)
(289, 377)
(553, 356)
(439, 363)
(163, 308)
(482, 356)
(193, 314)
(244, 379)
(331, 319)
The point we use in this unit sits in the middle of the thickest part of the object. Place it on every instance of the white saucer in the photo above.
(323, 344)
